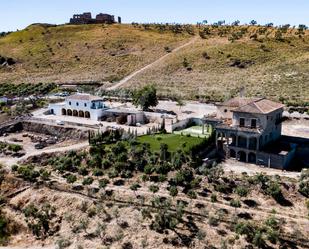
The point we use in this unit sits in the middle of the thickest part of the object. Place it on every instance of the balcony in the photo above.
(257, 129)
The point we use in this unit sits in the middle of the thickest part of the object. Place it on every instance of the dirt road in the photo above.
(126, 79)
(9, 161)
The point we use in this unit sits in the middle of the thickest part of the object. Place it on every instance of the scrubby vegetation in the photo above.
(264, 59)
(25, 90)
(170, 193)
(83, 53)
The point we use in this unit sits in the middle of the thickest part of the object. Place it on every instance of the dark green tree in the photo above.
(145, 97)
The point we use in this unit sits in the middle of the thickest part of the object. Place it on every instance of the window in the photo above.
(225, 110)
(241, 122)
(77, 103)
(253, 123)
(85, 105)
(70, 103)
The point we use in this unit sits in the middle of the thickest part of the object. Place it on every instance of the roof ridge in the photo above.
(258, 106)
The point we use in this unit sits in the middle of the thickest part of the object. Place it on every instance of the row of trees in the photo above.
(252, 23)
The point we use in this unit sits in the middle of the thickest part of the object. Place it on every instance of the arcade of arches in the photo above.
(75, 113)
(240, 147)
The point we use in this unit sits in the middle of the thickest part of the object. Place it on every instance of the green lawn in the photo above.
(173, 141)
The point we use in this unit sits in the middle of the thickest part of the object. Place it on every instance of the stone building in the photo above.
(86, 18)
(80, 105)
(249, 130)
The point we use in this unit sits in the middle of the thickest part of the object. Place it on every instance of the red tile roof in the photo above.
(262, 106)
(238, 101)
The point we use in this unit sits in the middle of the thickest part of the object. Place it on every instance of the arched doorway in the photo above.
(52, 112)
(241, 156)
(87, 114)
(69, 112)
(75, 113)
(81, 114)
(252, 158)
(64, 112)
(232, 153)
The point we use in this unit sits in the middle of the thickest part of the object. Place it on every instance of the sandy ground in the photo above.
(30, 150)
(231, 165)
(296, 128)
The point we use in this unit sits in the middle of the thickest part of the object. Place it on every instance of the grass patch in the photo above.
(174, 141)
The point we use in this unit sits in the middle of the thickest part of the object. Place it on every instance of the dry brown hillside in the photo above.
(267, 61)
(84, 53)
(219, 66)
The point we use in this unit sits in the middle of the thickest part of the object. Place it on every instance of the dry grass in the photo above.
(86, 53)
(279, 73)
(105, 54)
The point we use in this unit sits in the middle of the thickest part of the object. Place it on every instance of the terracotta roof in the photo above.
(85, 97)
(262, 106)
(239, 101)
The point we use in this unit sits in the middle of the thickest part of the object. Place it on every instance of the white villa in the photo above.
(80, 105)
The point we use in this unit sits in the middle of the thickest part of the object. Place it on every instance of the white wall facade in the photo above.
(79, 108)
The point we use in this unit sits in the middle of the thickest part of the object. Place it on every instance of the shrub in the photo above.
(44, 174)
(213, 198)
(162, 178)
(83, 171)
(192, 194)
(15, 147)
(154, 188)
(213, 221)
(14, 168)
(173, 191)
(71, 178)
(40, 219)
(245, 228)
(241, 191)
(235, 203)
(98, 172)
(304, 183)
(3, 230)
(63, 243)
(274, 190)
(135, 186)
(28, 173)
(88, 181)
(103, 183)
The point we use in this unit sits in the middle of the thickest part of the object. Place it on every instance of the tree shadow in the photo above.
(281, 200)
(251, 203)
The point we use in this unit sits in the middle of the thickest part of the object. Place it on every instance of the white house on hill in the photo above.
(80, 105)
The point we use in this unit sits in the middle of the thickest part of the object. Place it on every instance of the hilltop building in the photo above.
(86, 18)
(249, 130)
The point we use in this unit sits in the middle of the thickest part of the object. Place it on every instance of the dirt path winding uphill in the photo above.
(132, 75)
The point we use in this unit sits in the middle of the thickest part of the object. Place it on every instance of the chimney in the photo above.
(242, 92)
